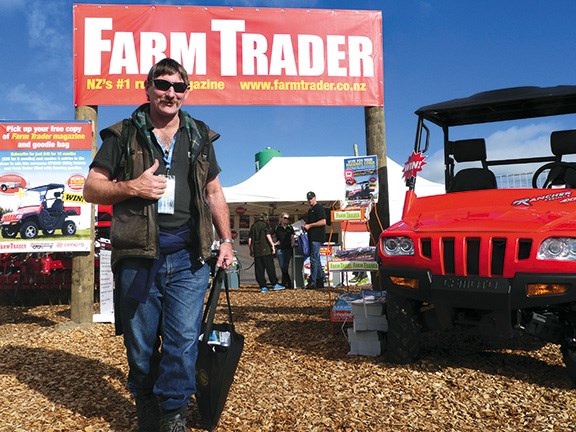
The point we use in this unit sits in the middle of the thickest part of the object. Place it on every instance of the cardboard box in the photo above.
(368, 343)
(371, 324)
(367, 308)
(369, 315)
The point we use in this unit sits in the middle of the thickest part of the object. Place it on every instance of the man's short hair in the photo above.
(167, 66)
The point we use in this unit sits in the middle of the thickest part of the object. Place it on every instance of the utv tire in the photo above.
(29, 230)
(69, 228)
(404, 329)
(9, 233)
(569, 357)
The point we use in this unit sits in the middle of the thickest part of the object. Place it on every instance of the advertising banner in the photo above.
(43, 167)
(234, 56)
(361, 179)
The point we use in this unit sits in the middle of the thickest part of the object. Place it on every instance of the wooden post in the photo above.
(82, 295)
(376, 145)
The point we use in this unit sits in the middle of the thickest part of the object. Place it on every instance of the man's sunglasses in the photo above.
(163, 85)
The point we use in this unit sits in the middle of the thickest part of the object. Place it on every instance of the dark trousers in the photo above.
(284, 257)
(265, 263)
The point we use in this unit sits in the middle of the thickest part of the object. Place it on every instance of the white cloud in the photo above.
(35, 105)
(515, 142)
(530, 140)
(434, 170)
(49, 25)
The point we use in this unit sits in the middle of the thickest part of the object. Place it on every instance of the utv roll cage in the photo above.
(485, 107)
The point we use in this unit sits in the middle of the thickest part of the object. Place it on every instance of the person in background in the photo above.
(315, 226)
(160, 173)
(262, 249)
(284, 247)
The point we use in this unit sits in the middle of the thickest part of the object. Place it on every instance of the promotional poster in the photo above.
(361, 178)
(43, 167)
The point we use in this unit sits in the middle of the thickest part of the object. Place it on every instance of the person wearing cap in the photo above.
(262, 249)
(315, 226)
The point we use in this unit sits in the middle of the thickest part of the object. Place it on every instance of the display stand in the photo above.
(349, 260)
(356, 259)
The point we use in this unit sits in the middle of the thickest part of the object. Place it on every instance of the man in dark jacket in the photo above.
(316, 223)
(262, 249)
(159, 171)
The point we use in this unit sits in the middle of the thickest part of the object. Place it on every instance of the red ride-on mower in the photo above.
(41, 209)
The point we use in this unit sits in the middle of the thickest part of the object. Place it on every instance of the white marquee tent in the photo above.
(282, 184)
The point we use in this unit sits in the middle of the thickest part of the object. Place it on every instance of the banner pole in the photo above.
(376, 145)
(82, 281)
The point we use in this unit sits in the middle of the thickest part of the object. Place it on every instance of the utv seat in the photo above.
(468, 179)
(562, 173)
(58, 205)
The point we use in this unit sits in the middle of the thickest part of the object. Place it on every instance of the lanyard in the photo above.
(167, 153)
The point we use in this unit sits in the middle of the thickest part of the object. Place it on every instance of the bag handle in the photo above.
(212, 303)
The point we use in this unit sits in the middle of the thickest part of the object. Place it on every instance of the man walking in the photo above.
(315, 226)
(159, 171)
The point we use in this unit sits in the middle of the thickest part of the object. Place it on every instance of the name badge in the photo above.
(166, 202)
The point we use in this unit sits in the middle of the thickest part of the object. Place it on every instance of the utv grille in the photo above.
(475, 256)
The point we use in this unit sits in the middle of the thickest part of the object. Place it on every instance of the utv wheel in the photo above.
(569, 356)
(9, 233)
(404, 329)
(69, 228)
(48, 233)
(29, 230)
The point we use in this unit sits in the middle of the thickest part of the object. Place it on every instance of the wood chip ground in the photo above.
(295, 375)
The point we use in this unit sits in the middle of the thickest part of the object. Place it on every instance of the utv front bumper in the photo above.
(479, 292)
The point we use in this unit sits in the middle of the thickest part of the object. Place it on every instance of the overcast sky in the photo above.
(433, 51)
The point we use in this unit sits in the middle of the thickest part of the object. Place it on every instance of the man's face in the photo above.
(312, 201)
(166, 103)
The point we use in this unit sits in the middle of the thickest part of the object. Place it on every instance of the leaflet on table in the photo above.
(356, 254)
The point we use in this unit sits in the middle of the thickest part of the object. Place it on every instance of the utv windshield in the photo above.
(32, 198)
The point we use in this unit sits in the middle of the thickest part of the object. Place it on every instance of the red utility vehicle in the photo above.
(483, 257)
(41, 209)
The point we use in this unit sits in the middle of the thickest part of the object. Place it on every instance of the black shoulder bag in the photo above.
(219, 352)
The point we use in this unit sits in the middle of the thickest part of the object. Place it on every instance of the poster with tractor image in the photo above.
(43, 167)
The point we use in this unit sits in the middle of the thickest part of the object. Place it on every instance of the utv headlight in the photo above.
(558, 248)
(398, 246)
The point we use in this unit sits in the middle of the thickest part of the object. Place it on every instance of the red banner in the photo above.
(234, 56)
